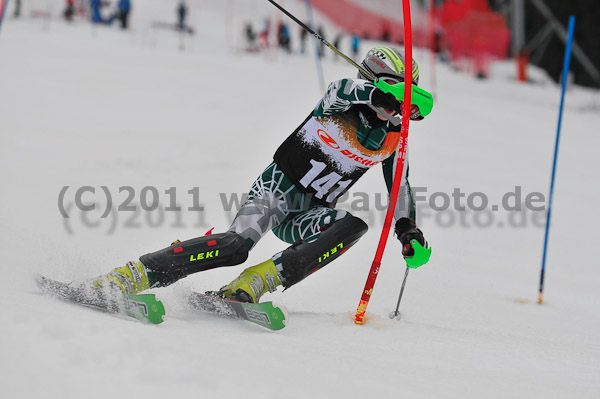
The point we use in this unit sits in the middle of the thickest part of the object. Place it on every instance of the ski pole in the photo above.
(395, 313)
(420, 97)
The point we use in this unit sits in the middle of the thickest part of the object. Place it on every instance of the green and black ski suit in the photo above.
(295, 196)
(335, 145)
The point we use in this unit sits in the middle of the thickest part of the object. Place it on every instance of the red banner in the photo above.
(467, 29)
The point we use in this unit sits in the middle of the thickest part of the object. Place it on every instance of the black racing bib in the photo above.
(324, 158)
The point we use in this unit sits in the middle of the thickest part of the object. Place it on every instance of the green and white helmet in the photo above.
(387, 62)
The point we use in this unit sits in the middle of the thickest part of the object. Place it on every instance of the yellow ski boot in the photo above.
(253, 282)
(131, 279)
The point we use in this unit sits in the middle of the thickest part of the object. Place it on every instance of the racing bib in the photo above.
(324, 158)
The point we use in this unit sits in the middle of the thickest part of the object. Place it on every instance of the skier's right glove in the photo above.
(385, 100)
(388, 101)
(415, 248)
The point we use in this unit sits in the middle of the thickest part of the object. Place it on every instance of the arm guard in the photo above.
(405, 207)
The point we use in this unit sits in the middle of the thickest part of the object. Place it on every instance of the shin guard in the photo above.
(304, 258)
(198, 254)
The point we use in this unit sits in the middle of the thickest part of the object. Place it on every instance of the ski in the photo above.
(264, 314)
(143, 307)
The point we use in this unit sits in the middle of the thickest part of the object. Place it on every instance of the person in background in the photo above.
(69, 10)
(181, 14)
(321, 48)
(17, 12)
(95, 11)
(303, 35)
(263, 35)
(338, 40)
(122, 14)
(252, 46)
(284, 37)
(386, 34)
(355, 43)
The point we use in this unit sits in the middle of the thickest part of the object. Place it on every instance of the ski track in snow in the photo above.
(94, 106)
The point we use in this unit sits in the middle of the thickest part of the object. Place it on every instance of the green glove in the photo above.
(419, 97)
(420, 257)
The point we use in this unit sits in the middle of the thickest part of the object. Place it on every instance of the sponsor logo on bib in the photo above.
(327, 139)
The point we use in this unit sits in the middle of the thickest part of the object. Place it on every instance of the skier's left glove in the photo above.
(415, 248)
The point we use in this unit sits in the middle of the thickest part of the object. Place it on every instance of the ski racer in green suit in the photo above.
(344, 136)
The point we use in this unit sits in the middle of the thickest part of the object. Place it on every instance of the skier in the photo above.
(295, 196)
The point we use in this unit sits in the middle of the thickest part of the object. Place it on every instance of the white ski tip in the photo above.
(284, 310)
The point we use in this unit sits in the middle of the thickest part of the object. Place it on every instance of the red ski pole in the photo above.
(366, 294)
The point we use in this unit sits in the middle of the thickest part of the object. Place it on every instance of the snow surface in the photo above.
(94, 106)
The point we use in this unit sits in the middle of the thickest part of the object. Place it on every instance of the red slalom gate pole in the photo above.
(432, 43)
(366, 294)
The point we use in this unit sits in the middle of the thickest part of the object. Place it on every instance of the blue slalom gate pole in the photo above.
(318, 54)
(560, 113)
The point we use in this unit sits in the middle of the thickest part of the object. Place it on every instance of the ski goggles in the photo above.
(390, 80)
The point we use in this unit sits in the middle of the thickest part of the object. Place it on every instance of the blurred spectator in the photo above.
(284, 37)
(95, 10)
(252, 46)
(338, 40)
(181, 14)
(263, 35)
(69, 10)
(355, 43)
(303, 34)
(81, 8)
(441, 46)
(321, 48)
(17, 12)
(122, 14)
(385, 32)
